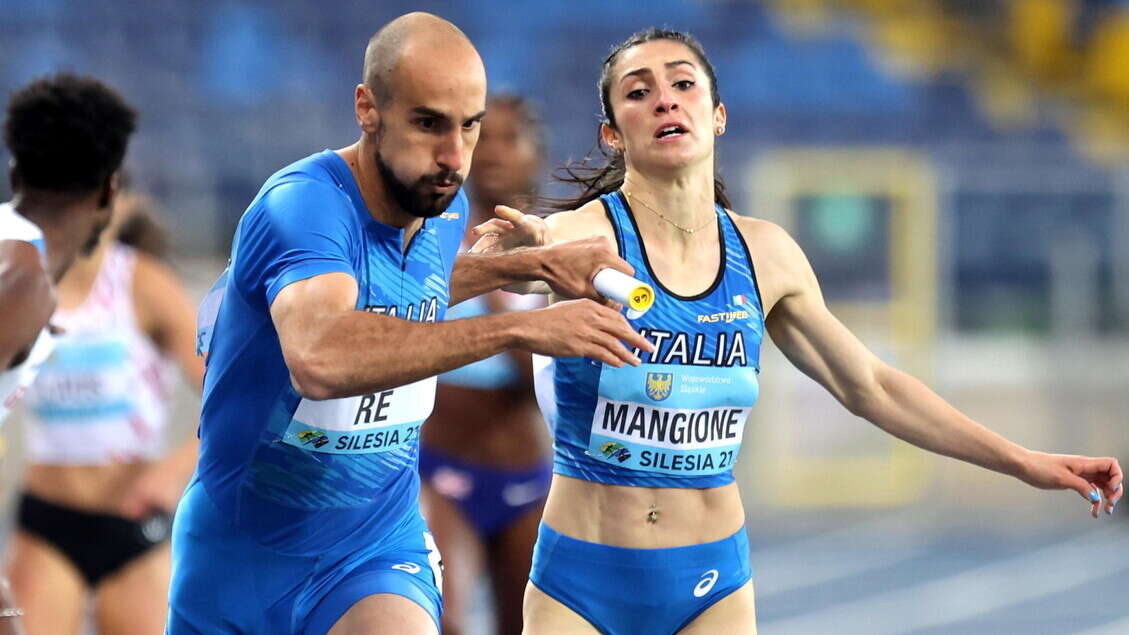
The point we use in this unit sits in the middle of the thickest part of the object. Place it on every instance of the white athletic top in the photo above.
(103, 396)
(14, 381)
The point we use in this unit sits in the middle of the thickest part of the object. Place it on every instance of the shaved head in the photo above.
(419, 108)
(407, 39)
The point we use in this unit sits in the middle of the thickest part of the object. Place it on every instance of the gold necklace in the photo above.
(688, 230)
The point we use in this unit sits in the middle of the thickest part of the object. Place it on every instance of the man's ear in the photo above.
(366, 110)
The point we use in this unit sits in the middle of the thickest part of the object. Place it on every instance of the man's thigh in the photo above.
(398, 587)
(385, 613)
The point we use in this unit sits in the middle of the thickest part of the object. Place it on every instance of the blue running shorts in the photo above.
(263, 591)
(491, 499)
(624, 591)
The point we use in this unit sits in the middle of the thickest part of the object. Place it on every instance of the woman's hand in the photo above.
(1093, 478)
(510, 230)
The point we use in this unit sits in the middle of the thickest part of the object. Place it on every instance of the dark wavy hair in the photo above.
(142, 227)
(67, 133)
(597, 180)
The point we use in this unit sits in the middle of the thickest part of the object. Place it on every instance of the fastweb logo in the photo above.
(709, 578)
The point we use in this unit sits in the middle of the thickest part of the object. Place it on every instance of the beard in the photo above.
(417, 198)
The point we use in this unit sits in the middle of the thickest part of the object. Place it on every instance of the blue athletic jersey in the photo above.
(676, 420)
(302, 476)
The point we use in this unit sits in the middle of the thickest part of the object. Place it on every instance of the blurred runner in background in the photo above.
(99, 488)
(68, 136)
(484, 459)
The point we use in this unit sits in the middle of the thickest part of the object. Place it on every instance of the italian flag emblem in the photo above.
(740, 299)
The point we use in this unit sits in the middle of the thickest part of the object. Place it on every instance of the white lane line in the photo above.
(1118, 627)
(835, 554)
(973, 592)
(821, 566)
(880, 526)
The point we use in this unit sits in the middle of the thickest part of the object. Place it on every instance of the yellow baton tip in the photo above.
(641, 298)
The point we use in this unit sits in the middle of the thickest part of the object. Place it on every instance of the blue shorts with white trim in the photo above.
(225, 582)
(624, 591)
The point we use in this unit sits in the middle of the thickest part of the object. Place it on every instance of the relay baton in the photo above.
(634, 294)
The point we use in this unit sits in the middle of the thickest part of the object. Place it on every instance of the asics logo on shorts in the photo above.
(409, 567)
(709, 578)
(156, 528)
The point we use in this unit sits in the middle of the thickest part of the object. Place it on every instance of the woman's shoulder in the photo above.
(150, 268)
(753, 225)
(590, 219)
(155, 283)
(760, 232)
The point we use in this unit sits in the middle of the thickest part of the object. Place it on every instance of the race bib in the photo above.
(672, 419)
(87, 381)
(377, 422)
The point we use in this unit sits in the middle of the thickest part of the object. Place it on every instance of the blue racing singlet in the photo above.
(297, 475)
(676, 420)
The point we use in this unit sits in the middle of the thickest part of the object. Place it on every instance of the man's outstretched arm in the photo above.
(567, 267)
(333, 350)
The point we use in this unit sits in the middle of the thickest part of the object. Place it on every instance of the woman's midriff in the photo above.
(499, 428)
(642, 517)
(93, 488)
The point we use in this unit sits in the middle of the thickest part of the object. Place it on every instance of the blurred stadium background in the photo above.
(957, 170)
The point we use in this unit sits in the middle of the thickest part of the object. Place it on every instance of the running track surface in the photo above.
(877, 575)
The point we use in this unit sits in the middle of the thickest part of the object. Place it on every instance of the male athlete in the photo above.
(68, 136)
(303, 516)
